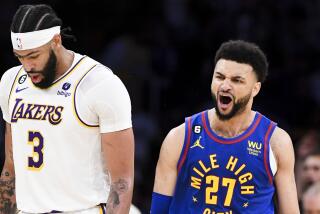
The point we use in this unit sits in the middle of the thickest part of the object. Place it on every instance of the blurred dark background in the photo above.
(163, 51)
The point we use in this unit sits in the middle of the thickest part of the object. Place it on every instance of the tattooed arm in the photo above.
(7, 179)
(118, 152)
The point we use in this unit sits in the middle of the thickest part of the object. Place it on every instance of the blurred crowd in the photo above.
(163, 51)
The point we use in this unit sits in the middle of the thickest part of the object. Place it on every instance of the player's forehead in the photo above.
(233, 68)
(40, 49)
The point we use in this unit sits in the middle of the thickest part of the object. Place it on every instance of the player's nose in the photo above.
(225, 85)
(28, 66)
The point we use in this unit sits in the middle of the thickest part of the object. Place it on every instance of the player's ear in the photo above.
(56, 41)
(256, 88)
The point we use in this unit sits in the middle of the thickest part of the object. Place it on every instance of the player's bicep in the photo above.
(284, 178)
(118, 153)
(166, 171)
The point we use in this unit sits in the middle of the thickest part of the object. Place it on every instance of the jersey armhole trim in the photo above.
(82, 122)
(14, 83)
(186, 144)
(266, 151)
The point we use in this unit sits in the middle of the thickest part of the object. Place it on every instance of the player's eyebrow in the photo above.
(219, 73)
(22, 56)
(238, 77)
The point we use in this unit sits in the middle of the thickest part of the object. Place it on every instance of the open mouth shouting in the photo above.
(225, 101)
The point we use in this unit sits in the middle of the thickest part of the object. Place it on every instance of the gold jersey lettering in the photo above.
(195, 182)
(246, 190)
(209, 211)
(213, 161)
(245, 177)
(240, 169)
(232, 163)
(205, 169)
(198, 172)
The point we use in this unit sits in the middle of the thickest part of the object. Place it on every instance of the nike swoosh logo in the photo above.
(20, 89)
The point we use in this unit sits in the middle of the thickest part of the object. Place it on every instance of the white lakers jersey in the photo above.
(56, 134)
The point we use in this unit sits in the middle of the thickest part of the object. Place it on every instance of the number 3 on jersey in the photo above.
(35, 162)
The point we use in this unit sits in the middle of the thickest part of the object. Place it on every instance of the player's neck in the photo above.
(232, 127)
(64, 62)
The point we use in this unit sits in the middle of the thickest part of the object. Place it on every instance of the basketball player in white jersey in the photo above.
(69, 140)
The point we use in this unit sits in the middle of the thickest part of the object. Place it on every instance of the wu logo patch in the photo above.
(197, 144)
(254, 148)
(254, 145)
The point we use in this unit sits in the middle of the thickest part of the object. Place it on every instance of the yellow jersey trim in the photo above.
(74, 102)
(14, 83)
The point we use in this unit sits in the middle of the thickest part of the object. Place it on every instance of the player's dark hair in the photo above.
(30, 18)
(245, 52)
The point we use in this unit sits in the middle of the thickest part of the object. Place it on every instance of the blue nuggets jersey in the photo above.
(219, 175)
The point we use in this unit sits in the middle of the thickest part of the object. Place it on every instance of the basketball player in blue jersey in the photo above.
(229, 159)
(69, 140)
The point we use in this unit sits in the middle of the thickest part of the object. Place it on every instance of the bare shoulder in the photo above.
(281, 145)
(173, 143)
(175, 134)
(280, 139)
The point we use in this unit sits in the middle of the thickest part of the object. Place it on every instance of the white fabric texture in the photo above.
(33, 39)
(272, 161)
(107, 98)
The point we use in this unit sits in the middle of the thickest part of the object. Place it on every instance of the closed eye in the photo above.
(33, 57)
(219, 77)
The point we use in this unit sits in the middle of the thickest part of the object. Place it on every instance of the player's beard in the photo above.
(48, 72)
(237, 107)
